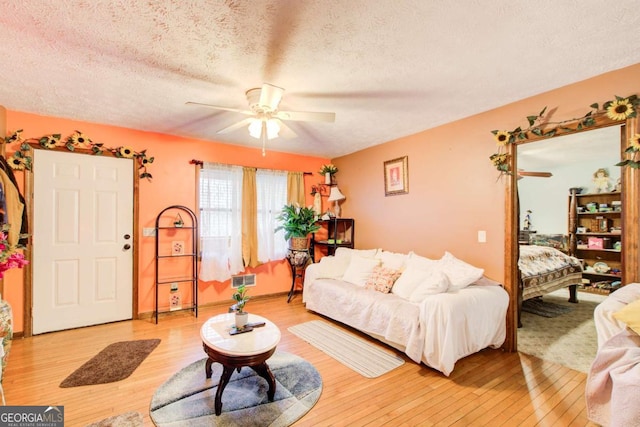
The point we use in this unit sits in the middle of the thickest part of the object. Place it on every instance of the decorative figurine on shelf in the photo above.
(527, 221)
(601, 181)
(177, 221)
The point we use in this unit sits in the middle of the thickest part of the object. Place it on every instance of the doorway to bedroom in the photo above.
(554, 329)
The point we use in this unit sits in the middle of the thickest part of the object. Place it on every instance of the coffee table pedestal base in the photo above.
(230, 363)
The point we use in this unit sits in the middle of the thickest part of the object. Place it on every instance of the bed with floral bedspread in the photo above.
(545, 269)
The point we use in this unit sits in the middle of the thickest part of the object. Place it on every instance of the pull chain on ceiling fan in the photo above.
(265, 120)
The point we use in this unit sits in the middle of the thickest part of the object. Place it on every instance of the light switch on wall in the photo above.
(482, 236)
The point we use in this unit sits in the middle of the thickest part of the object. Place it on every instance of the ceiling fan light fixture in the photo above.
(255, 128)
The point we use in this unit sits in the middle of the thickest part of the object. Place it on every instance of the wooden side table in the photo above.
(298, 260)
(233, 352)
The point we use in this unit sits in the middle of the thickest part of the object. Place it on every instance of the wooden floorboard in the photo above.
(490, 388)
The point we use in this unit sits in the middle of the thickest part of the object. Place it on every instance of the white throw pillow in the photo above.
(409, 281)
(435, 282)
(359, 270)
(392, 260)
(348, 252)
(332, 267)
(421, 262)
(460, 273)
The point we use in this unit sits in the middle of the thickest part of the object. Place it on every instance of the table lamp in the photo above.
(335, 196)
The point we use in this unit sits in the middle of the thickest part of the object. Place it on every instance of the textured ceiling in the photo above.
(387, 69)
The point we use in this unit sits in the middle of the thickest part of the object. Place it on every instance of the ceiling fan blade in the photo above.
(306, 116)
(236, 126)
(270, 96)
(217, 107)
(285, 131)
(536, 174)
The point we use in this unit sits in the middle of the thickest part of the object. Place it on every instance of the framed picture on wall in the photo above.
(396, 176)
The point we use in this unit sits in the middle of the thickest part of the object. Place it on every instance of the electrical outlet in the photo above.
(482, 236)
(148, 232)
(174, 286)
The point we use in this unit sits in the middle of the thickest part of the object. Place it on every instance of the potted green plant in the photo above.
(297, 222)
(328, 171)
(240, 297)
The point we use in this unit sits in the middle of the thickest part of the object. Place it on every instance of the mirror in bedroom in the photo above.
(552, 328)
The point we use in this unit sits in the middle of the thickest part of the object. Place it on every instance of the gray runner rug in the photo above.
(352, 351)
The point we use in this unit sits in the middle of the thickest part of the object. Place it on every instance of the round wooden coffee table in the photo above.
(250, 349)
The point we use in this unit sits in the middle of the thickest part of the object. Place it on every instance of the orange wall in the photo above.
(173, 184)
(453, 188)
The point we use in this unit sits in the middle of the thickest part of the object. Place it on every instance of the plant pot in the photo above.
(241, 319)
(327, 178)
(299, 243)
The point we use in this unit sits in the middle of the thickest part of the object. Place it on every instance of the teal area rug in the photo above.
(187, 398)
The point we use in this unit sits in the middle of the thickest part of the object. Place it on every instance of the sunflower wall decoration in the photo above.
(21, 159)
(617, 109)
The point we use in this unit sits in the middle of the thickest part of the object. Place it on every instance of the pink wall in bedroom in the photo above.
(173, 183)
(454, 190)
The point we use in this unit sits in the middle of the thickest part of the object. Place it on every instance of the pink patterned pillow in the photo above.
(382, 279)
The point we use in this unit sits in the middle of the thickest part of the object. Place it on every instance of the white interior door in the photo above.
(83, 220)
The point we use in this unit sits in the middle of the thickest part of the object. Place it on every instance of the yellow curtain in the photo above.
(295, 188)
(249, 218)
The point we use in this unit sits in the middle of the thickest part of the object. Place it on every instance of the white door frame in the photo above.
(28, 273)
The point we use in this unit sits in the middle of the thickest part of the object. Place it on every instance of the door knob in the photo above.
(127, 247)
(127, 236)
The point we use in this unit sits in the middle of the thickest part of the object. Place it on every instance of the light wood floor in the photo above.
(489, 388)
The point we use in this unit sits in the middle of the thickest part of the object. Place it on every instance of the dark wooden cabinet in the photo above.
(335, 233)
(595, 235)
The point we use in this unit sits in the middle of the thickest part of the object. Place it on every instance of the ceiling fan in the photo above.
(265, 119)
(522, 173)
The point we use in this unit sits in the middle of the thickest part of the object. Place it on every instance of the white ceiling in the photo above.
(575, 148)
(387, 69)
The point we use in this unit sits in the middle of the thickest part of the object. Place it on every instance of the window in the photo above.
(221, 210)
(271, 189)
(220, 221)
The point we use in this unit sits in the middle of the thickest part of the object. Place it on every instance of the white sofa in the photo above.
(436, 311)
(613, 384)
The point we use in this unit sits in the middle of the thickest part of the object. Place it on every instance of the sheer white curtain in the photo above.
(271, 188)
(220, 221)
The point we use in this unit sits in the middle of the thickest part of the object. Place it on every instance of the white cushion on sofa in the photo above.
(392, 260)
(331, 267)
(416, 282)
(348, 252)
(460, 273)
(435, 282)
(421, 262)
(359, 270)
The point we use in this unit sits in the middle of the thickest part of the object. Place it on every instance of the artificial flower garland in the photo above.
(617, 109)
(21, 159)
